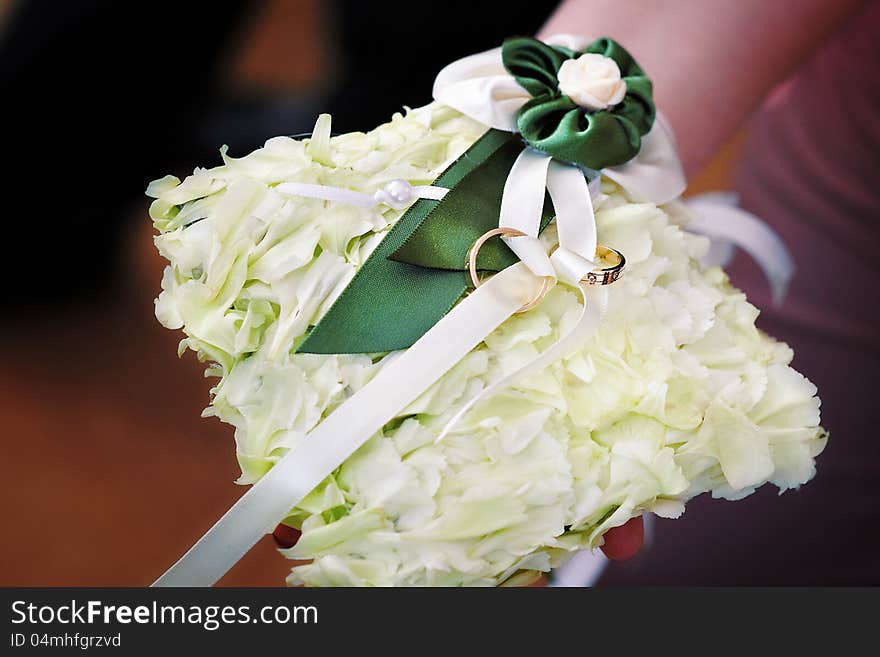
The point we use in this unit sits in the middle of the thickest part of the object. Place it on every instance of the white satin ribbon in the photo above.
(397, 194)
(576, 222)
(521, 204)
(480, 87)
(655, 174)
(728, 226)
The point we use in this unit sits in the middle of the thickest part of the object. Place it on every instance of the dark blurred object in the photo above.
(98, 97)
(393, 50)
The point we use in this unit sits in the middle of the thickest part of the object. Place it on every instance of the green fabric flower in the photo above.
(554, 124)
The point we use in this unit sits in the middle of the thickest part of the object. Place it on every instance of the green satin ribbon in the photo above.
(554, 124)
(417, 273)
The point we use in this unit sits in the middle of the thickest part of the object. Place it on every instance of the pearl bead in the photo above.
(399, 194)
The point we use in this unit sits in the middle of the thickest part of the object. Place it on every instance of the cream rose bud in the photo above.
(592, 81)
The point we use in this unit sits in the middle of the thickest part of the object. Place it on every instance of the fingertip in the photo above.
(286, 536)
(624, 542)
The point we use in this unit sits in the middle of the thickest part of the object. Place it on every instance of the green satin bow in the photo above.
(554, 124)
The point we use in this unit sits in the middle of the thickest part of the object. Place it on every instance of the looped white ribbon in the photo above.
(729, 226)
(522, 203)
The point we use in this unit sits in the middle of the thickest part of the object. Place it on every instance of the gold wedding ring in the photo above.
(603, 276)
(475, 277)
(607, 275)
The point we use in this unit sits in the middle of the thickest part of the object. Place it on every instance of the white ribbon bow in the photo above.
(480, 87)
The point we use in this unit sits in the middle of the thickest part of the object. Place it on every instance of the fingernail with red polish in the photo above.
(285, 536)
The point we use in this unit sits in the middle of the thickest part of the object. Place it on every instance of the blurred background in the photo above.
(110, 474)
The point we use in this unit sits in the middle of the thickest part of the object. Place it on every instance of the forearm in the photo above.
(711, 61)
